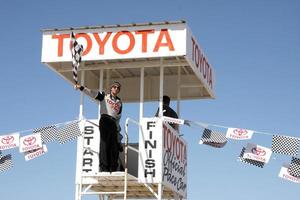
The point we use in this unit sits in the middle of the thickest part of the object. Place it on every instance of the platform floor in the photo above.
(114, 182)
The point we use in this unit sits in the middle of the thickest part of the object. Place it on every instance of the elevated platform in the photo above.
(106, 182)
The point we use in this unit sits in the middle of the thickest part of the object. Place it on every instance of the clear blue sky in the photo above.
(254, 47)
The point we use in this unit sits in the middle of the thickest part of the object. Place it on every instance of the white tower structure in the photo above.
(149, 60)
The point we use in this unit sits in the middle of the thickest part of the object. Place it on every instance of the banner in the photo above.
(150, 151)
(284, 173)
(35, 153)
(30, 142)
(174, 161)
(239, 134)
(258, 153)
(90, 149)
(9, 141)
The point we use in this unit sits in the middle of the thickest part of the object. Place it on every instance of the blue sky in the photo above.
(253, 46)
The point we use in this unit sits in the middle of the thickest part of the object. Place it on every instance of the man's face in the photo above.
(115, 89)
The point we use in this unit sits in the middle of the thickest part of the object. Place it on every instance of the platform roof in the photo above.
(121, 51)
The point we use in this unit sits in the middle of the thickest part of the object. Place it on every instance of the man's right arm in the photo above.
(92, 93)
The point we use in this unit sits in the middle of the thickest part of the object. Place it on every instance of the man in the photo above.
(168, 111)
(111, 109)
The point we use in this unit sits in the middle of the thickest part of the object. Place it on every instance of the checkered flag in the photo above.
(68, 132)
(76, 50)
(48, 133)
(285, 145)
(6, 162)
(249, 161)
(213, 138)
(294, 168)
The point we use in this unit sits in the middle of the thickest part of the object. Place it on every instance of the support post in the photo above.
(100, 89)
(80, 141)
(142, 83)
(161, 88)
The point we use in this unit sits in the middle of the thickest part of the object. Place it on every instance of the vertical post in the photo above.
(100, 89)
(80, 144)
(178, 90)
(142, 83)
(81, 107)
(107, 78)
(160, 191)
(161, 89)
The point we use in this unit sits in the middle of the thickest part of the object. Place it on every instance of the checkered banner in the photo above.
(294, 168)
(249, 161)
(285, 145)
(76, 50)
(6, 163)
(68, 132)
(213, 138)
(48, 133)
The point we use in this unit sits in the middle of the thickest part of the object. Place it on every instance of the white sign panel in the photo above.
(150, 149)
(117, 42)
(284, 173)
(199, 62)
(90, 150)
(239, 134)
(258, 153)
(174, 161)
(9, 141)
(35, 153)
(30, 142)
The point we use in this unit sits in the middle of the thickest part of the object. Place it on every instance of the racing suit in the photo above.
(110, 110)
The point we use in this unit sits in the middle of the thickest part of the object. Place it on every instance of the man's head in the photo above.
(166, 100)
(115, 88)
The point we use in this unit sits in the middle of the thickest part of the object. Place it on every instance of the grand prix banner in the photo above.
(163, 156)
(174, 160)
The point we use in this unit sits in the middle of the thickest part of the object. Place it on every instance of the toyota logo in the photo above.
(7, 140)
(29, 141)
(240, 132)
(258, 151)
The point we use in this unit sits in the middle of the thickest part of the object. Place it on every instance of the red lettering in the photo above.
(100, 42)
(144, 34)
(163, 33)
(60, 44)
(115, 42)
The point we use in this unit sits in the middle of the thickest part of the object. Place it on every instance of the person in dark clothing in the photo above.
(168, 111)
(110, 110)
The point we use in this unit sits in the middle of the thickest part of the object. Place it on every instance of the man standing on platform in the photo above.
(168, 111)
(111, 109)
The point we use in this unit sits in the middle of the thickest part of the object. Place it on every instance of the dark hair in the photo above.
(166, 100)
(116, 83)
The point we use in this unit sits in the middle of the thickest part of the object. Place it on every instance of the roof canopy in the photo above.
(125, 53)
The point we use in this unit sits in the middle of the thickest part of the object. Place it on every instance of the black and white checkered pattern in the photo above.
(249, 161)
(77, 51)
(68, 132)
(294, 168)
(285, 145)
(6, 162)
(213, 138)
(48, 133)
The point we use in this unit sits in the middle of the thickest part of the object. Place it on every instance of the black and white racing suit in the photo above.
(110, 110)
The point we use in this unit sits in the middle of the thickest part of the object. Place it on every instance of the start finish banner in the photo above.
(163, 156)
(90, 148)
